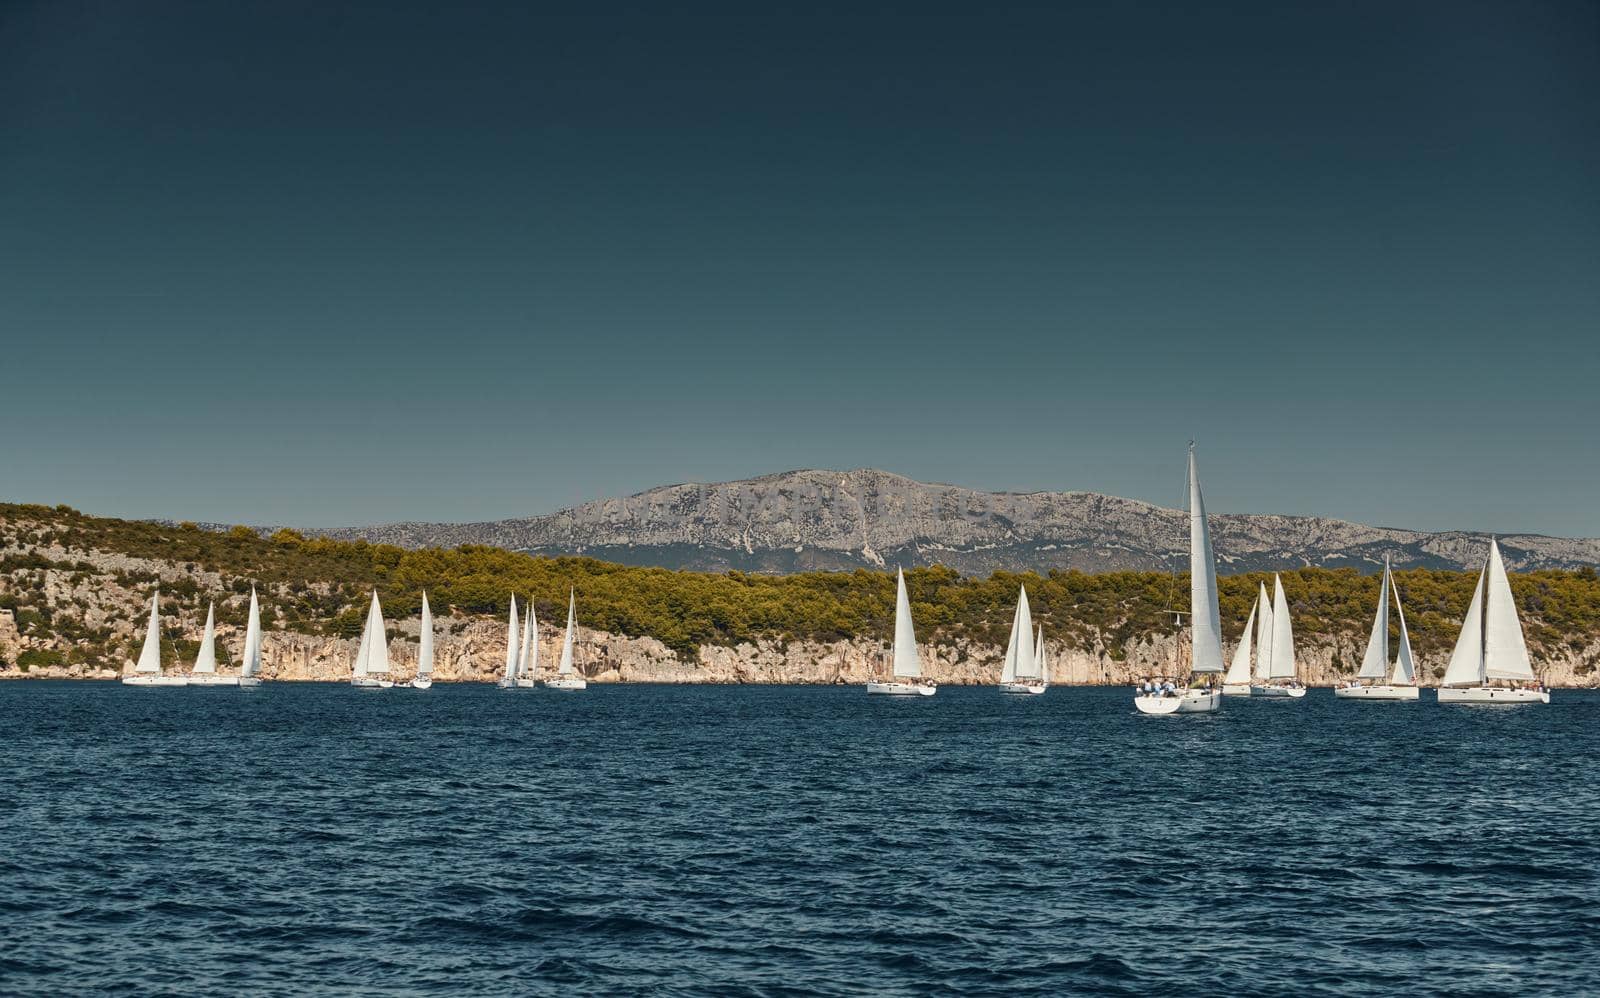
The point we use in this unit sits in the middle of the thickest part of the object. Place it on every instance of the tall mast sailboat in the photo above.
(250, 660)
(1490, 662)
(147, 672)
(1021, 671)
(1163, 696)
(204, 672)
(905, 678)
(370, 670)
(424, 677)
(1282, 675)
(509, 680)
(1374, 681)
(567, 676)
(528, 654)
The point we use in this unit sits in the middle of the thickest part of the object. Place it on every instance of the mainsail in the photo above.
(1375, 663)
(1505, 653)
(511, 643)
(1040, 672)
(425, 649)
(1206, 630)
(207, 659)
(377, 662)
(565, 667)
(359, 669)
(1263, 634)
(251, 662)
(1027, 668)
(1239, 668)
(1282, 664)
(905, 637)
(150, 654)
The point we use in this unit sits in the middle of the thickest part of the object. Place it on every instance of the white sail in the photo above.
(1025, 654)
(1043, 670)
(1282, 664)
(206, 661)
(359, 668)
(378, 648)
(522, 649)
(565, 667)
(1505, 653)
(1008, 671)
(1405, 669)
(1466, 661)
(1375, 663)
(511, 642)
(530, 658)
(906, 663)
(250, 663)
(1263, 634)
(1239, 668)
(150, 654)
(1206, 618)
(425, 649)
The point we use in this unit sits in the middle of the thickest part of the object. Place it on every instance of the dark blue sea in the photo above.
(311, 839)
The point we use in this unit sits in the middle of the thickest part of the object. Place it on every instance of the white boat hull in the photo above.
(1235, 689)
(566, 683)
(371, 684)
(900, 689)
(1492, 694)
(152, 679)
(211, 679)
(1179, 702)
(1278, 691)
(249, 682)
(1033, 689)
(1383, 692)
(527, 684)
(422, 683)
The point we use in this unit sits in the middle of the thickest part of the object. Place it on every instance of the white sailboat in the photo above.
(250, 661)
(1237, 681)
(1402, 685)
(370, 670)
(1161, 695)
(1490, 661)
(1020, 673)
(147, 672)
(424, 677)
(204, 672)
(1282, 674)
(906, 672)
(1042, 670)
(509, 680)
(528, 655)
(567, 677)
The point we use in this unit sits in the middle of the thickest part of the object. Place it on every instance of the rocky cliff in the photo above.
(805, 520)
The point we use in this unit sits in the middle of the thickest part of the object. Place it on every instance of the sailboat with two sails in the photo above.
(147, 672)
(1023, 670)
(513, 658)
(905, 671)
(1490, 662)
(424, 677)
(1281, 675)
(1374, 681)
(567, 676)
(527, 676)
(250, 659)
(1162, 695)
(370, 670)
(205, 672)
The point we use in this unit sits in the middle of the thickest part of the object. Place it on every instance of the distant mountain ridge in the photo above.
(810, 520)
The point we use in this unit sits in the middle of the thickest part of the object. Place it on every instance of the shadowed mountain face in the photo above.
(804, 520)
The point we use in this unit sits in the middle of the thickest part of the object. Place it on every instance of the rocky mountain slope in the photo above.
(807, 520)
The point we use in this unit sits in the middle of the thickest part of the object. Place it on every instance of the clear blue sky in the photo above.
(340, 263)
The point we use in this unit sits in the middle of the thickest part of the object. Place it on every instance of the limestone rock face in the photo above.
(803, 520)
